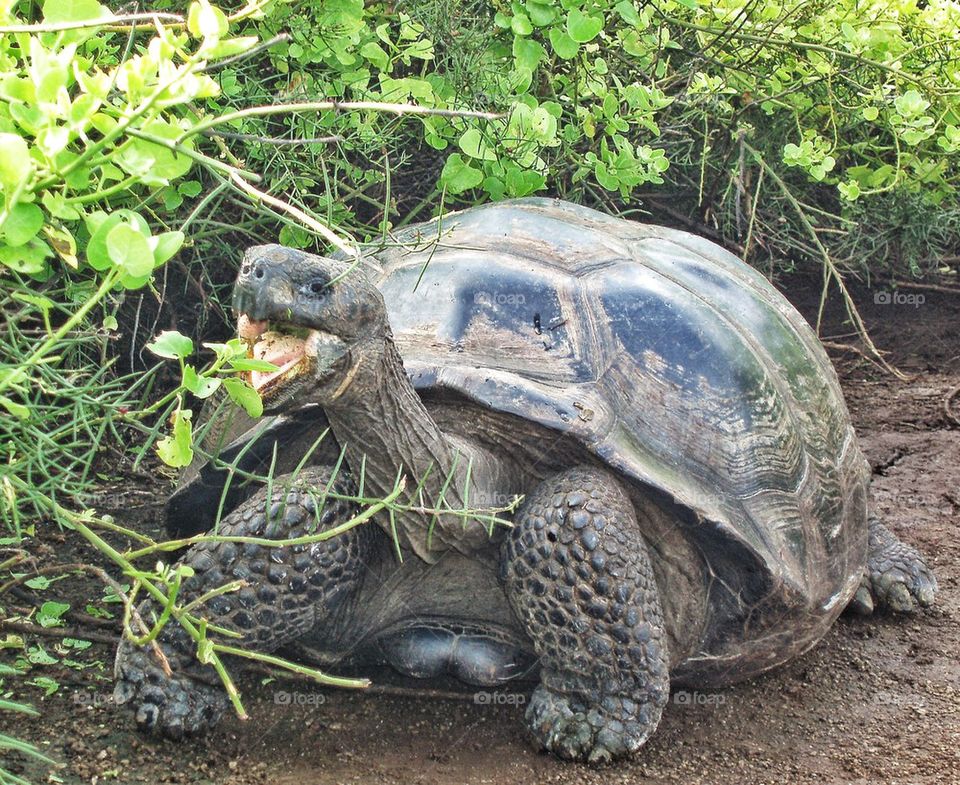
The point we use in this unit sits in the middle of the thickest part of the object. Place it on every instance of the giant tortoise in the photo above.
(694, 501)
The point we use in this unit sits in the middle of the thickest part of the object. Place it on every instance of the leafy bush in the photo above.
(685, 104)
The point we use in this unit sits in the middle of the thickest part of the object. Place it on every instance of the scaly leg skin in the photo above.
(897, 578)
(290, 591)
(578, 576)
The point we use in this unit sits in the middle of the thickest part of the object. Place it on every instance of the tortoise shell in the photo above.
(671, 361)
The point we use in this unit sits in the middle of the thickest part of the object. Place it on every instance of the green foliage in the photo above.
(96, 154)
(9, 742)
(602, 101)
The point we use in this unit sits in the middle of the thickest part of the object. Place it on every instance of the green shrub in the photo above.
(614, 103)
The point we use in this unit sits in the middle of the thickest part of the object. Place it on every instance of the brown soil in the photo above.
(877, 701)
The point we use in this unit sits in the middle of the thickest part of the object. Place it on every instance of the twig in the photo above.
(947, 406)
(829, 268)
(273, 139)
(933, 287)
(848, 347)
(148, 20)
(324, 231)
(253, 50)
(326, 106)
(59, 632)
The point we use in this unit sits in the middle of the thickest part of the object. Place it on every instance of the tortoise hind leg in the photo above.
(896, 578)
(577, 574)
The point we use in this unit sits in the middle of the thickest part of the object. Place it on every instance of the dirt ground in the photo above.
(877, 701)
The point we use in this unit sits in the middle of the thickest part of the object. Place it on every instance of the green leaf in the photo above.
(171, 345)
(23, 223)
(376, 55)
(583, 27)
(520, 24)
(458, 176)
(911, 104)
(29, 258)
(167, 244)
(230, 47)
(201, 386)
(55, 11)
(45, 683)
(153, 162)
(250, 364)
(39, 301)
(565, 47)
(15, 162)
(129, 250)
(541, 14)
(51, 613)
(849, 190)
(38, 656)
(206, 21)
(242, 393)
(628, 12)
(474, 145)
(190, 188)
(228, 351)
(177, 450)
(870, 113)
(100, 225)
(527, 53)
(16, 409)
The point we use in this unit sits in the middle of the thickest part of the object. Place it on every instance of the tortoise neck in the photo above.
(383, 426)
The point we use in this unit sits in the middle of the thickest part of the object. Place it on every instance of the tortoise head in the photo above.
(320, 322)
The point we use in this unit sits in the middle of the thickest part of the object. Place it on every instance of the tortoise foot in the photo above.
(174, 706)
(896, 579)
(573, 729)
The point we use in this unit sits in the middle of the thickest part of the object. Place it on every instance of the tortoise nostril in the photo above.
(258, 272)
(245, 269)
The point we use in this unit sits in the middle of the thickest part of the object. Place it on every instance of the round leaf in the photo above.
(172, 345)
(71, 10)
(100, 225)
(583, 27)
(473, 144)
(458, 175)
(565, 47)
(22, 224)
(129, 250)
(15, 161)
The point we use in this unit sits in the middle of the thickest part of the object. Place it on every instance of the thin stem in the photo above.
(137, 20)
(108, 282)
(324, 106)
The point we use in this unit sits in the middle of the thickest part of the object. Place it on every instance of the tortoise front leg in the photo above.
(578, 576)
(289, 592)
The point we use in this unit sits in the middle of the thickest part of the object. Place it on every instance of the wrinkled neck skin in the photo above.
(382, 424)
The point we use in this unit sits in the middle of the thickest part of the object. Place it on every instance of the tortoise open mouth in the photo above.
(291, 348)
